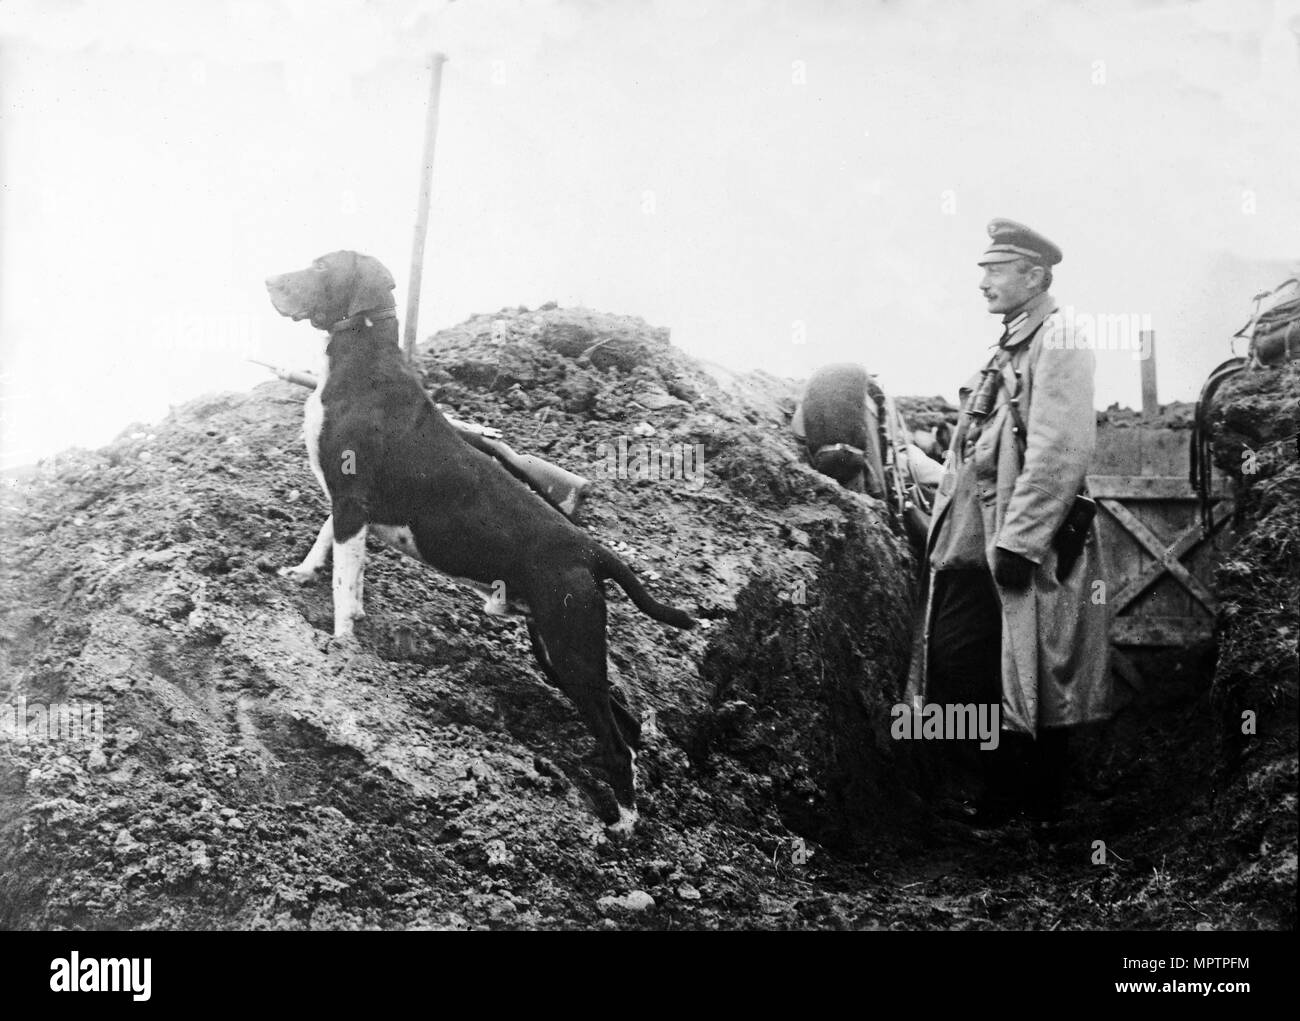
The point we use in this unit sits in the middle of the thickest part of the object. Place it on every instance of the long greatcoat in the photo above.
(1054, 634)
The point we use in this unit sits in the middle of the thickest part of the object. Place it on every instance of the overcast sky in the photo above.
(781, 184)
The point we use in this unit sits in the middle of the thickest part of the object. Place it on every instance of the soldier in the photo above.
(839, 421)
(1015, 614)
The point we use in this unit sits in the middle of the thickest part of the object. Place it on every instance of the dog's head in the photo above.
(332, 288)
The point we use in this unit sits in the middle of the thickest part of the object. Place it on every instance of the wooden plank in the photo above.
(1166, 557)
(1166, 597)
(1160, 631)
(1149, 548)
(1119, 452)
(1130, 590)
(1170, 563)
(1160, 588)
(1141, 487)
(1165, 451)
(1123, 666)
(1150, 401)
(422, 210)
(1153, 486)
(1121, 557)
(1204, 558)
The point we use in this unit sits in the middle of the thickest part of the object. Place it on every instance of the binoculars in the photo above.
(981, 402)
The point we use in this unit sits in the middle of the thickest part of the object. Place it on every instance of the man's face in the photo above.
(1008, 285)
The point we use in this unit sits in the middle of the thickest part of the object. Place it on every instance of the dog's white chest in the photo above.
(312, 423)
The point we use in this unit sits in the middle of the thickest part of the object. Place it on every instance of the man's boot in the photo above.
(1003, 795)
(1047, 762)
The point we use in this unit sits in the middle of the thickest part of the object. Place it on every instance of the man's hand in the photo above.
(1011, 570)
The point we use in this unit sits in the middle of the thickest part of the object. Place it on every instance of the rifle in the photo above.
(288, 375)
(562, 489)
(909, 502)
(1274, 327)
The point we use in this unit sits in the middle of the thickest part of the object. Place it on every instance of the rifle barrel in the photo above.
(289, 375)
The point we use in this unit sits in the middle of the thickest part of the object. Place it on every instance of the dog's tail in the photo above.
(610, 566)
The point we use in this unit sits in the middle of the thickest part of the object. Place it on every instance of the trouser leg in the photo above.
(965, 667)
(965, 653)
(1004, 770)
(1047, 774)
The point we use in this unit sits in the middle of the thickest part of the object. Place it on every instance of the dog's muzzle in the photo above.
(281, 302)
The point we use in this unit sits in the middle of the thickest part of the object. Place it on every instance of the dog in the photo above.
(391, 466)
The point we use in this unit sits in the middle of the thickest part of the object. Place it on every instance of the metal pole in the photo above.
(422, 214)
(1150, 402)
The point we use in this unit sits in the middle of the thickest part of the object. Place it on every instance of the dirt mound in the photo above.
(215, 760)
(253, 774)
(1205, 785)
(1174, 415)
(926, 412)
(1255, 421)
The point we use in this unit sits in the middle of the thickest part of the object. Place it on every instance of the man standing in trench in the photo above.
(1015, 614)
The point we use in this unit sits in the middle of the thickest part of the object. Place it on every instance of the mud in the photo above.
(254, 774)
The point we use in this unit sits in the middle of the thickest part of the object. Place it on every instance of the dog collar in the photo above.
(367, 318)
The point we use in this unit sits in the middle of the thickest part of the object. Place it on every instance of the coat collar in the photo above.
(1022, 323)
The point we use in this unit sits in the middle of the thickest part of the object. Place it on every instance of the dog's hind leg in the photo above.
(542, 656)
(628, 725)
(315, 558)
(570, 626)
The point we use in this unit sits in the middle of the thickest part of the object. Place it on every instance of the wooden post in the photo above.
(422, 213)
(1150, 402)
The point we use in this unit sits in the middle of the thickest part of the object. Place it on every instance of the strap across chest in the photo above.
(1007, 388)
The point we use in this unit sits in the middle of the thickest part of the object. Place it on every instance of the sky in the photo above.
(782, 184)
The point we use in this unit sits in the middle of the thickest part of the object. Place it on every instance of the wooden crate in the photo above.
(1158, 560)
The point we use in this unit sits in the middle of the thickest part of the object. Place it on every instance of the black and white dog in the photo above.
(391, 465)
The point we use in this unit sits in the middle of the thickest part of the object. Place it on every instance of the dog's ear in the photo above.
(373, 284)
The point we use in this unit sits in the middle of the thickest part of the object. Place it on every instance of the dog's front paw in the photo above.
(346, 619)
(301, 575)
(626, 824)
(342, 643)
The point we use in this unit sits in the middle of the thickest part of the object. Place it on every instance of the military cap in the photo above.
(1013, 241)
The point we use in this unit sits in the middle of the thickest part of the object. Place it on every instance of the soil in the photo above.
(255, 774)
(1174, 415)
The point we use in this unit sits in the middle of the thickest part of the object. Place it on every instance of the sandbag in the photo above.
(838, 421)
(1274, 327)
